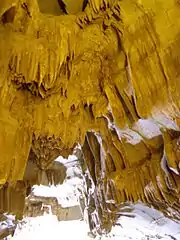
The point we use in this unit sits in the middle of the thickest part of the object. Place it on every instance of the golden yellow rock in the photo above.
(101, 73)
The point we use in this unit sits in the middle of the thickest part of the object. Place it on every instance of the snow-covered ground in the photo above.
(147, 224)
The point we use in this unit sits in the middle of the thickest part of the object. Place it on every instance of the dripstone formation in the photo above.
(104, 74)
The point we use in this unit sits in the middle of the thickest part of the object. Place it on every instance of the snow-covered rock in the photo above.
(144, 224)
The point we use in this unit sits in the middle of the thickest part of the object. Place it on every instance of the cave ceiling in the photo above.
(104, 74)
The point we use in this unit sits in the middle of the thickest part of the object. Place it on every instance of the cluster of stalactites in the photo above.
(132, 165)
(103, 70)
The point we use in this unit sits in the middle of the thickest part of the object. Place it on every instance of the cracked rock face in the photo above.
(103, 74)
(38, 206)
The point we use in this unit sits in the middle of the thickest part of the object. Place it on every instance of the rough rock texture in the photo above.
(104, 74)
(8, 225)
(12, 196)
(37, 206)
(35, 174)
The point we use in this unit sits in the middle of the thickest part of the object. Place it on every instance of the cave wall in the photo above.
(91, 78)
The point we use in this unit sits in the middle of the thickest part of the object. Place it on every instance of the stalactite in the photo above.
(107, 78)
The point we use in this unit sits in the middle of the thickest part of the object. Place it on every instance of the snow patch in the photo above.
(175, 171)
(148, 224)
(48, 227)
(165, 121)
(66, 193)
(147, 127)
(128, 134)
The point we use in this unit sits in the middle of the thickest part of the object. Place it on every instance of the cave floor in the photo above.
(146, 225)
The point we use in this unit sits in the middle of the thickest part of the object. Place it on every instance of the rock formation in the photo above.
(100, 73)
(38, 206)
(8, 225)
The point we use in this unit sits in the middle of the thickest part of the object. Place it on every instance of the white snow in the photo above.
(165, 121)
(147, 127)
(131, 136)
(48, 227)
(175, 171)
(66, 193)
(148, 224)
(8, 222)
(70, 159)
(143, 127)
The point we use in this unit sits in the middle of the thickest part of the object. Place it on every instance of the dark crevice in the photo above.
(135, 108)
(62, 6)
(84, 4)
(89, 109)
(111, 163)
(25, 7)
(174, 134)
(9, 15)
(65, 93)
(89, 159)
(125, 107)
(117, 18)
(73, 108)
